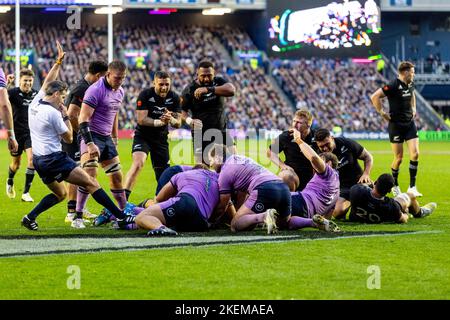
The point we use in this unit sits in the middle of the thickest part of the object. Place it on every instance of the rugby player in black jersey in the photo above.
(157, 107)
(401, 128)
(205, 99)
(371, 205)
(20, 98)
(294, 158)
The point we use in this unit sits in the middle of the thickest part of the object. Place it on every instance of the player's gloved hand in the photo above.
(199, 92)
(93, 150)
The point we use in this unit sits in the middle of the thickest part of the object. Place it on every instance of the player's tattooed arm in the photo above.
(368, 164)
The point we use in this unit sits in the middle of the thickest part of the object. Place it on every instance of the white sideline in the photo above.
(48, 246)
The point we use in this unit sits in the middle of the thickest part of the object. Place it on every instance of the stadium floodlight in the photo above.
(4, 9)
(216, 11)
(107, 10)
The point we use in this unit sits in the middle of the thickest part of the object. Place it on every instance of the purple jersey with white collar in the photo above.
(322, 192)
(202, 186)
(240, 173)
(2, 79)
(106, 103)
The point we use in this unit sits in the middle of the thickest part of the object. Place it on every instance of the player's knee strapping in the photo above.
(91, 164)
(112, 168)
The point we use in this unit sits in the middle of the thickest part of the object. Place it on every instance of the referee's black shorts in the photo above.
(400, 132)
(156, 145)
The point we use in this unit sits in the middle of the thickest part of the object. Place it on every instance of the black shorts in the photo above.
(105, 144)
(208, 140)
(400, 132)
(24, 142)
(183, 214)
(299, 206)
(157, 146)
(270, 195)
(73, 149)
(166, 176)
(344, 192)
(56, 166)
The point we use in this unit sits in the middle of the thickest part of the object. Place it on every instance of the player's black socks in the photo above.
(102, 198)
(127, 193)
(29, 176)
(413, 172)
(78, 215)
(395, 175)
(11, 175)
(46, 203)
(71, 206)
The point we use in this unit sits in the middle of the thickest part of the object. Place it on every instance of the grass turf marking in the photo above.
(68, 245)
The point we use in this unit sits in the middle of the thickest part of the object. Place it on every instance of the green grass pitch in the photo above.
(412, 261)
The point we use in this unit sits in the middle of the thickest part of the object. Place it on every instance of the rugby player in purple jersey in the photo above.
(99, 131)
(269, 199)
(186, 203)
(314, 205)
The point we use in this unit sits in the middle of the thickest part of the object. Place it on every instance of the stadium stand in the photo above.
(338, 97)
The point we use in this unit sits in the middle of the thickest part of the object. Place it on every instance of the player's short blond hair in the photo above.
(303, 113)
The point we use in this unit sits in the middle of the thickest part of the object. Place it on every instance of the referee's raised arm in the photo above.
(54, 71)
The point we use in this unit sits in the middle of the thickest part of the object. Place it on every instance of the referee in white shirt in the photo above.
(48, 122)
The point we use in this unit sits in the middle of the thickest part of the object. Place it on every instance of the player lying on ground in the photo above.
(186, 203)
(313, 206)
(105, 216)
(49, 122)
(370, 205)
